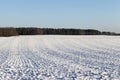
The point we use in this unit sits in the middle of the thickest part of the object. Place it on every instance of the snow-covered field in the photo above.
(50, 57)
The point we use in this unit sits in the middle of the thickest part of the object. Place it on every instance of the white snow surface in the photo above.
(57, 57)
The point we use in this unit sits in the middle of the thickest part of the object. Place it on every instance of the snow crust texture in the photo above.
(53, 57)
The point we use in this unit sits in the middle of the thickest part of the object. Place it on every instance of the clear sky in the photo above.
(92, 14)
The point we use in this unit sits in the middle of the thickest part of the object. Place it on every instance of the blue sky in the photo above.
(92, 14)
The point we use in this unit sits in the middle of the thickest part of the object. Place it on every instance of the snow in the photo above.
(57, 57)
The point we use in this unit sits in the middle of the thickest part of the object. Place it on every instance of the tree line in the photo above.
(50, 31)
